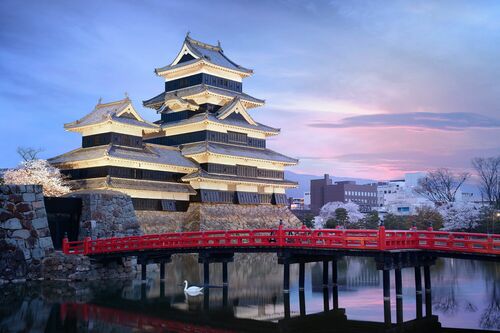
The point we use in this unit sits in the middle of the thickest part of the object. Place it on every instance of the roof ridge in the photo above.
(126, 99)
(203, 44)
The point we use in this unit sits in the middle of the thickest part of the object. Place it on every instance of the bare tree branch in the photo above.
(441, 186)
(29, 153)
(488, 170)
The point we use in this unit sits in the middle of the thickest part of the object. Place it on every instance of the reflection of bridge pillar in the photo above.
(428, 298)
(224, 296)
(326, 300)
(302, 273)
(286, 304)
(399, 295)
(162, 289)
(418, 291)
(335, 286)
(286, 277)
(387, 296)
(302, 302)
(206, 299)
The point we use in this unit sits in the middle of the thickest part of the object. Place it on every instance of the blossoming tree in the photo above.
(328, 211)
(38, 172)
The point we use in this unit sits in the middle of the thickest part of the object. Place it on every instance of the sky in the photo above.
(367, 89)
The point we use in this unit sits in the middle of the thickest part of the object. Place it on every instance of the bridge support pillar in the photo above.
(286, 277)
(206, 274)
(144, 265)
(428, 297)
(162, 271)
(325, 273)
(302, 302)
(302, 273)
(286, 304)
(418, 291)
(326, 299)
(399, 295)
(224, 274)
(387, 296)
(335, 286)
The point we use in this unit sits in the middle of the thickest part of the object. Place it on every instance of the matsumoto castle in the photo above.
(205, 148)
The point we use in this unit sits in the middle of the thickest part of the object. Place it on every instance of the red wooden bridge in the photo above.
(303, 238)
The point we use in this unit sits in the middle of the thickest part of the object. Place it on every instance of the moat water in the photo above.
(465, 294)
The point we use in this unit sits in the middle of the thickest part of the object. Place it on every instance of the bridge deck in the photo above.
(365, 242)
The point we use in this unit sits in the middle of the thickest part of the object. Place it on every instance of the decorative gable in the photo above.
(237, 108)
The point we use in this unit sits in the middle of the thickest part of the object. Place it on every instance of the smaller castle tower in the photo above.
(114, 156)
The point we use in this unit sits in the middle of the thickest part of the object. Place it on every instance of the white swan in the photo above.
(193, 290)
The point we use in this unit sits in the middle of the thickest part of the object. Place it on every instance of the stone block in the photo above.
(41, 213)
(5, 215)
(23, 207)
(38, 204)
(22, 234)
(37, 254)
(11, 224)
(27, 254)
(39, 196)
(46, 243)
(39, 223)
(15, 198)
(29, 197)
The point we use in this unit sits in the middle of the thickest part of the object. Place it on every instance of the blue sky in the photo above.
(367, 89)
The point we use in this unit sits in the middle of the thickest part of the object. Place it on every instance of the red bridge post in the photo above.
(86, 245)
(281, 234)
(381, 238)
(65, 246)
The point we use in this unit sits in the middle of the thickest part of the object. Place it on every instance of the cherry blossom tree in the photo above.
(327, 212)
(460, 216)
(38, 172)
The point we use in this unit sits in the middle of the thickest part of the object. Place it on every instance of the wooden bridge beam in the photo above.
(286, 278)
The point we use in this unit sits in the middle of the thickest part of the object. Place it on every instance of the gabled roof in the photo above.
(202, 174)
(233, 150)
(121, 111)
(201, 117)
(151, 153)
(185, 93)
(235, 107)
(203, 52)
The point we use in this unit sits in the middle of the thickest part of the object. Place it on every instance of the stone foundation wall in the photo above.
(58, 266)
(204, 216)
(106, 214)
(24, 231)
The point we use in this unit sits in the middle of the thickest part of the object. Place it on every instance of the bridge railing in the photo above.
(380, 239)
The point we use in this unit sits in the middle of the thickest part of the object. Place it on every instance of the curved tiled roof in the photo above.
(197, 89)
(200, 117)
(112, 111)
(210, 53)
(233, 150)
(132, 184)
(151, 153)
(205, 175)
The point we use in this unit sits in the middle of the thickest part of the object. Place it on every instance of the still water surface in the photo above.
(465, 294)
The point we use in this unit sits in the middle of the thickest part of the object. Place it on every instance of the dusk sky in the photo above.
(367, 89)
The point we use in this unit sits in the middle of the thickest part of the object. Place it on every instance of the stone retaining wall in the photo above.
(106, 214)
(205, 216)
(24, 231)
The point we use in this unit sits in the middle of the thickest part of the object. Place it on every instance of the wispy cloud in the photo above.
(442, 121)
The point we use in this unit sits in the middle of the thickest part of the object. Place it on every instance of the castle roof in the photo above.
(202, 174)
(201, 117)
(121, 111)
(185, 93)
(233, 150)
(150, 153)
(199, 52)
(131, 184)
